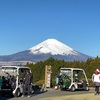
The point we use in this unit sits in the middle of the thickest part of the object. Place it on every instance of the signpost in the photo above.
(48, 76)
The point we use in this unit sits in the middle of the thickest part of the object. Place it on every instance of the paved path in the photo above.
(49, 93)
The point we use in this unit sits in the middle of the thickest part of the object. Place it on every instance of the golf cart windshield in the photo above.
(66, 72)
(10, 70)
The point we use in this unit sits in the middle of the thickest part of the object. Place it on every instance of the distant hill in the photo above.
(46, 49)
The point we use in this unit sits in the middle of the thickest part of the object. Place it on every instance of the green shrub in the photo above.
(90, 83)
(40, 82)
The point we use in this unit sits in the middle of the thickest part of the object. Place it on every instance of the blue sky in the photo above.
(26, 23)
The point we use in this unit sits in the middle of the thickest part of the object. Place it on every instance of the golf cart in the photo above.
(18, 74)
(73, 79)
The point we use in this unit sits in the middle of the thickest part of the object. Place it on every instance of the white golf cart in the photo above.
(73, 79)
(18, 72)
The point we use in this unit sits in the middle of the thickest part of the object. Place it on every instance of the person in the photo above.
(13, 82)
(96, 81)
(3, 82)
(9, 78)
(27, 80)
(57, 81)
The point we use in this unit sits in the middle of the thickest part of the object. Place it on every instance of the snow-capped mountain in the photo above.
(46, 49)
(54, 47)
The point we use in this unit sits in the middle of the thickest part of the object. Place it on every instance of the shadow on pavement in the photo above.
(7, 97)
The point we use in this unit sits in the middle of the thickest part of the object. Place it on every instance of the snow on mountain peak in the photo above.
(53, 47)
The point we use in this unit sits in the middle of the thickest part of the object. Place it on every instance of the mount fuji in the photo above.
(46, 49)
(53, 47)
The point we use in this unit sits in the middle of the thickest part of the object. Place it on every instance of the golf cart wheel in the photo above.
(73, 88)
(87, 88)
(17, 93)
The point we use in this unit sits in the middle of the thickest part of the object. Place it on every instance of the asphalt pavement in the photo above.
(48, 93)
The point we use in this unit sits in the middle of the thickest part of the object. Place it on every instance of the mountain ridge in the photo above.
(44, 50)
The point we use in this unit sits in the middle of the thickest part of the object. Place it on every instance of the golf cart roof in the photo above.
(71, 69)
(14, 66)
